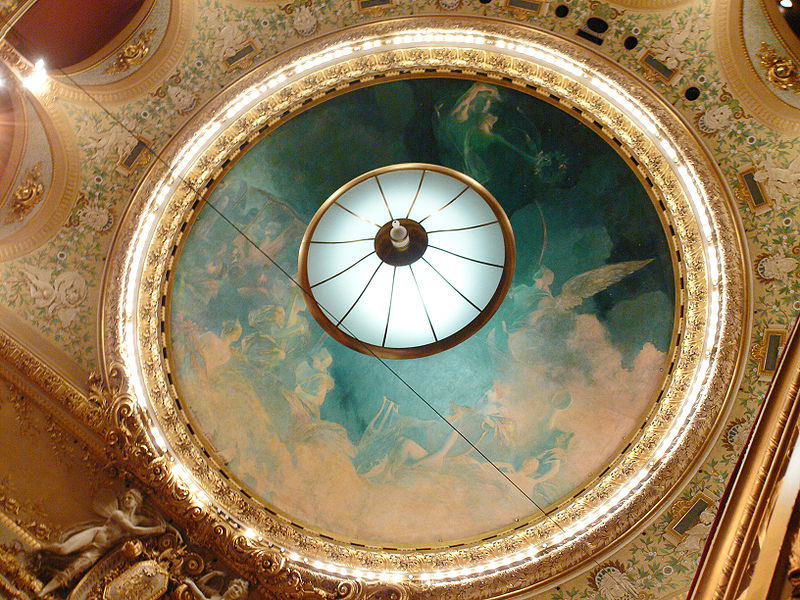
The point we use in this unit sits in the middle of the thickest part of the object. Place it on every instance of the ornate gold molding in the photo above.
(25, 371)
(779, 70)
(24, 584)
(134, 53)
(28, 194)
(11, 12)
(129, 447)
(152, 440)
(780, 27)
(649, 5)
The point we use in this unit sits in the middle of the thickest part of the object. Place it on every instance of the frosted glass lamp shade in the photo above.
(406, 261)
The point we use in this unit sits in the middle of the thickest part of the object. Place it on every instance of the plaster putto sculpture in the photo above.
(90, 544)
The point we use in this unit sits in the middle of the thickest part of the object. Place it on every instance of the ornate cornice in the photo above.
(149, 438)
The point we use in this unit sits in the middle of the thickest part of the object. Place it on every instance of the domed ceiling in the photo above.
(485, 458)
(574, 446)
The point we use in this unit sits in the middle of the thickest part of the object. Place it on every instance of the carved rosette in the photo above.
(149, 438)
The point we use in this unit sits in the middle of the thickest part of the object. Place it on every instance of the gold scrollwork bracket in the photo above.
(132, 54)
(780, 71)
(28, 194)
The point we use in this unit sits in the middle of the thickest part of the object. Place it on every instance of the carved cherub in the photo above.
(91, 543)
(237, 589)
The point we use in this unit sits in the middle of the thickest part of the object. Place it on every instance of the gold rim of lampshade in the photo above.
(367, 319)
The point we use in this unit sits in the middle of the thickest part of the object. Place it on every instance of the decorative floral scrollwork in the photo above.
(27, 195)
(357, 589)
(132, 54)
(779, 70)
(269, 562)
(193, 564)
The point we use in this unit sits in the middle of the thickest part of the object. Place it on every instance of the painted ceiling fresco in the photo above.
(333, 438)
(50, 295)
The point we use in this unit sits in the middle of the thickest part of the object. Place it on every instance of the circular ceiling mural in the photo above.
(564, 422)
(457, 445)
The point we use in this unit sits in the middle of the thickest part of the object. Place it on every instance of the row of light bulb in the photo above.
(248, 99)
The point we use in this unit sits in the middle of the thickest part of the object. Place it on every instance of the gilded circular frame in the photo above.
(703, 378)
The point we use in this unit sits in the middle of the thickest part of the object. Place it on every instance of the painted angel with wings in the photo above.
(584, 286)
(526, 305)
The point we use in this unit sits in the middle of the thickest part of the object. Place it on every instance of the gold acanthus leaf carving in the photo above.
(27, 195)
(131, 54)
(779, 70)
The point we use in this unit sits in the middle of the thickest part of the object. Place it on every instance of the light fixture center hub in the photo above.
(401, 242)
(399, 235)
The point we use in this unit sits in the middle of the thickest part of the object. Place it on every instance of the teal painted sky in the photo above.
(548, 389)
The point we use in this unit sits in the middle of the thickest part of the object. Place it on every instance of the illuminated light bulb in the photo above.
(786, 3)
(399, 235)
(179, 471)
(159, 439)
(37, 80)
